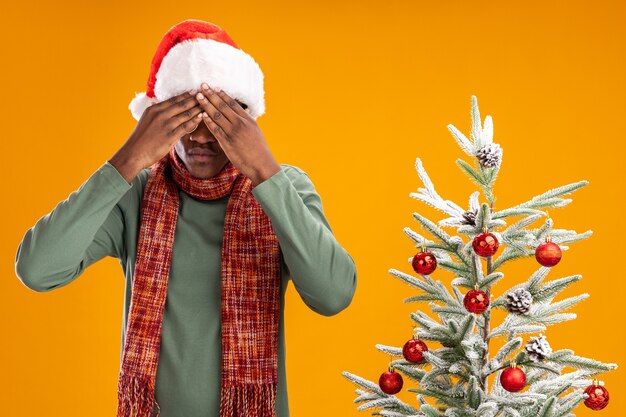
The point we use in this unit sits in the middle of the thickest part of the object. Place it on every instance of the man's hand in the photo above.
(238, 134)
(159, 128)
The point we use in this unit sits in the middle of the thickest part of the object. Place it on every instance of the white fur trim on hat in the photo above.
(221, 66)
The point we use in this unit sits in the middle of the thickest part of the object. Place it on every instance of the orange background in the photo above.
(355, 92)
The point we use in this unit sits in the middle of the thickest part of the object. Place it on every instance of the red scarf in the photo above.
(250, 292)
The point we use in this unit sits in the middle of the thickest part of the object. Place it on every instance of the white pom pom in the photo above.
(139, 104)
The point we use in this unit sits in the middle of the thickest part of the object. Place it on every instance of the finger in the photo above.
(187, 124)
(187, 114)
(214, 113)
(238, 108)
(234, 104)
(177, 107)
(216, 129)
(185, 128)
(221, 104)
(172, 100)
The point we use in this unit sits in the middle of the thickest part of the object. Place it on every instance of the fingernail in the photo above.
(205, 86)
(192, 92)
(200, 96)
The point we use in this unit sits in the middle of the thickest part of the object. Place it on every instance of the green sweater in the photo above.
(102, 218)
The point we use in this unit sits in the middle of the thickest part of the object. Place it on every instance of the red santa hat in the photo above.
(192, 52)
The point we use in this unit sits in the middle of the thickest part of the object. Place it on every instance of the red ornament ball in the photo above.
(485, 244)
(390, 382)
(424, 263)
(413, 350)
(598, 397)
(476, 301)
(548, 254)
(513, 379)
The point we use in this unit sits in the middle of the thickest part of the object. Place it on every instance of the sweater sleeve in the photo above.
(80, 230)
(323, 272)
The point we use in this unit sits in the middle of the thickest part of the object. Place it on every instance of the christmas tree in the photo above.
(529, 378)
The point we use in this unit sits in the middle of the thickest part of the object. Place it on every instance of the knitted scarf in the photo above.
(250, 266)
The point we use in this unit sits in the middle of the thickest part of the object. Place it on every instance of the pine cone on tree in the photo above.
(538, 348)
(519, 301)
(469, 217)
(489, 155)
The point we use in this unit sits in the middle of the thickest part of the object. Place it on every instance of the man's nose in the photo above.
(202, 134)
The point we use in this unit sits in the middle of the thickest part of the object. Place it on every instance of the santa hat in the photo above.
(192, 52)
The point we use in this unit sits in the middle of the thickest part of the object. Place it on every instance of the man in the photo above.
(208, 228)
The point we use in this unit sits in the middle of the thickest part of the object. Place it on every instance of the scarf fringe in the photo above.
(136, 397)
(249, 400)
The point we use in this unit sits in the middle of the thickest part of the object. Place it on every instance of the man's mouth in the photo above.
(202, 152)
